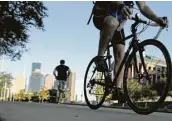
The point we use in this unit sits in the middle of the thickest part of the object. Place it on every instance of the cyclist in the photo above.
(107, 16)
(63, 72)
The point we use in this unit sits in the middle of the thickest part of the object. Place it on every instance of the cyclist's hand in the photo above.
(125, 11)
(163, 21)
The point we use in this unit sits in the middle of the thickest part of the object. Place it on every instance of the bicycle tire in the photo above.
(166, 54)
(85, 86)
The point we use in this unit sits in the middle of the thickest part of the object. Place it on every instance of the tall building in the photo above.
(36, 81)
(36, 66)
(49, 81)
(27, 85)
(71, 86)
(20, 82)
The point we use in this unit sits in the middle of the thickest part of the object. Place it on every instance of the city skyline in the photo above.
(37, 80)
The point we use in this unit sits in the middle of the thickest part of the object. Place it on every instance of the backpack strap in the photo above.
(91, 14)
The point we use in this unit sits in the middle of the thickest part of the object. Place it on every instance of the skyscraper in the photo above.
(49, 81)
(20, 82)
(36, 66)
(71, 85)
(36, 81)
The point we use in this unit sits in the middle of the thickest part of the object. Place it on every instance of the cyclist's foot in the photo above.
(118, 95)
(100, 64)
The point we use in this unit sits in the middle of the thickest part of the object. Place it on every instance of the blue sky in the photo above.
(68, 37)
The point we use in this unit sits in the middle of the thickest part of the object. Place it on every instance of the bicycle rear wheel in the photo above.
(143, 76)
(94, 86)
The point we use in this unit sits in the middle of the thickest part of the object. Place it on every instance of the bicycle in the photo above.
(130, 56)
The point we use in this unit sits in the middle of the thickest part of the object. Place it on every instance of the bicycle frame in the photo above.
(133, 44)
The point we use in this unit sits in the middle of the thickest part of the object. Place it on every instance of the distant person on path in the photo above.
(63, 72)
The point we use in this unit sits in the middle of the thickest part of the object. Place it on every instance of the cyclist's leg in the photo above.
(108, 27)
(118, 48)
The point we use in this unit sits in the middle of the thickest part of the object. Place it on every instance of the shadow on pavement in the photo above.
(2, 119)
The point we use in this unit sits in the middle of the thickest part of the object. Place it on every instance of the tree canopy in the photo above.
(16, 18)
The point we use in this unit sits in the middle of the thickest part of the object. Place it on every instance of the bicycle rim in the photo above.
(156, 104)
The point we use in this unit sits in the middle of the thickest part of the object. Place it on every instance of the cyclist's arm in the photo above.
(147, 12)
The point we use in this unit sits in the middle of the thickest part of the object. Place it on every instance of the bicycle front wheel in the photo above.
(147, 77)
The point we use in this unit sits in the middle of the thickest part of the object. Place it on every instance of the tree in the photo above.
(21, 95)
(5, 78)
(16, 97)
(148, 92)
(5, 81)
(29, 94)
(141, 90)
(134, 88)
(35, 97)
(44, 94)
(35, 94)
(16, 18)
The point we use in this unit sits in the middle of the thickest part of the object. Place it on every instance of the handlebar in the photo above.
(144, 22)
(137, 19)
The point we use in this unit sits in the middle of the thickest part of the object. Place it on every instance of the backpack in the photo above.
(99, 8)
(102, 8)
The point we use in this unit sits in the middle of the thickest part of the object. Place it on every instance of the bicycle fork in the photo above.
(137, 47)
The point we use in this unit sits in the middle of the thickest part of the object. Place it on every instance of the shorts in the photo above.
(61, 83)
(98, 23)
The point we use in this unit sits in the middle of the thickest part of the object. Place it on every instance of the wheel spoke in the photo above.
(94, 86)
(147, 79)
